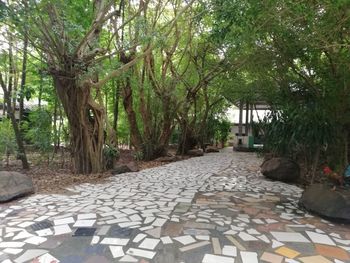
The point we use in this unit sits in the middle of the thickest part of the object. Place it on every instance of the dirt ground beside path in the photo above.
(57, 176)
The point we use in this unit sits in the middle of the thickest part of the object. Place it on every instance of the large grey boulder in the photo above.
(212, 149)
(195, 152)
(14, 185)
(322, 200)
(281, 169)
(166, 159)
(129, 167)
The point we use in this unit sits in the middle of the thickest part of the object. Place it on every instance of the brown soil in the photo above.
(55, 177)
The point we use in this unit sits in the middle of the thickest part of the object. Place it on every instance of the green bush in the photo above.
(111, 154)
(8, 144)
(38, 130)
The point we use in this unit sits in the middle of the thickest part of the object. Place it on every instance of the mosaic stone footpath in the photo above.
(212, 209)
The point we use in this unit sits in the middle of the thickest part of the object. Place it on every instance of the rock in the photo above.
(133, 166)
(14, 185)
(323, 201)
(125, 168)
(212, 150)
(195, 152)
(167, 159)
(281, 169)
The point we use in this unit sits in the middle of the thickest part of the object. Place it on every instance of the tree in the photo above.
(73, 62)
(298, 53)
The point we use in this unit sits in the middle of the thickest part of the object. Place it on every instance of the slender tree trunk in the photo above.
(135, 135)
(55, 125)
(315, 164)
(346, 149)
(24, 66)
(240, 118)
(18, 135)
(40, 89)
(246, 127)
(116, 85)
(23, 77)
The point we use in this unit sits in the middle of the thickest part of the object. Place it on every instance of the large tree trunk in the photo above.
(86, 120)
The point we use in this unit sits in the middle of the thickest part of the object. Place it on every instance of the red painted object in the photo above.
(327, 170)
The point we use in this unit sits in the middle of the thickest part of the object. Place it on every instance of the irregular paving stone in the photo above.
(215, 197)
(332, 252)
(84, 231)
(41, 225)
(117, 231)
(71, 258)
(97, 259)
(14, 185)
(315, 259)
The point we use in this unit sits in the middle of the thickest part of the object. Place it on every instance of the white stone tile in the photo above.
(12, 251)
(209, 258)
(84, 223)
(335, 235)
(203, 237)
(166, 240)
(104, 230)
(264, 238)
(135, 217)
(149, 243)
(276, 244)
(41, 218)
(62, 229)
(246, 237)
(342, 241)
(230, 232)
(115, 241)
(185, 240)
(128, 258)
(258, 221)
(11, 244)
(159, 222)
(95, 240)
(7, 261)
(117, 251)
(25, 224)
(129, 211)
(22, 235)
(320, 238)
(290, 237)
(139, 237)
(64, 221)
(47, 258)
(35, 240)
(249, 257)
(44, 232)
(229, 251)
(86, 216)
(271, 221)
(140, 253)
(149, 220)
(30, 254)
(252, 231)
(129, 224)
(13, 229)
